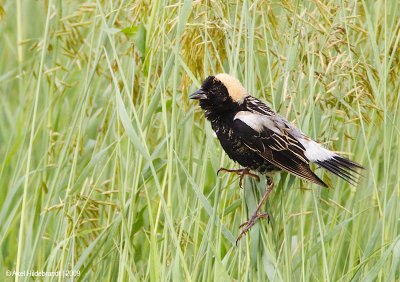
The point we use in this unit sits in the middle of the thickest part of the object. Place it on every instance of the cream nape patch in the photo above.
(235, 89)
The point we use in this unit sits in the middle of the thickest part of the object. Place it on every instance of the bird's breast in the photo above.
(226, 136)
(236, 149)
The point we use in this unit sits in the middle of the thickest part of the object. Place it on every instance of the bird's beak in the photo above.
(198, 95)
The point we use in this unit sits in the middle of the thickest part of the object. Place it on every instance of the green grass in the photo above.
(108, 169)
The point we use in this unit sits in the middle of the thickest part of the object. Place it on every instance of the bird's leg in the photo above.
(242, 172)
(257, 214)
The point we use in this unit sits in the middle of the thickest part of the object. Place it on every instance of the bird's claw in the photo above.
(221, 169)
(249, 224)
(242, 173)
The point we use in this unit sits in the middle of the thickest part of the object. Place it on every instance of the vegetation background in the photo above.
(108, 169)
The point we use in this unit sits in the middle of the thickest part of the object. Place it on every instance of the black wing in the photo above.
(274, 132)
(274, 143)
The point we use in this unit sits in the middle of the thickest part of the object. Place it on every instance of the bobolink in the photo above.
(259, 139)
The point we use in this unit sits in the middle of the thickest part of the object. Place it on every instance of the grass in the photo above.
(108, 169)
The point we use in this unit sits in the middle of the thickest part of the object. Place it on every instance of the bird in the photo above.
(262, 141)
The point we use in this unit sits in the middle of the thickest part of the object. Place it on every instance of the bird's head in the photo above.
(220, 92)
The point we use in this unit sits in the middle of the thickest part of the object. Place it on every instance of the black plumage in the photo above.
(258, 139)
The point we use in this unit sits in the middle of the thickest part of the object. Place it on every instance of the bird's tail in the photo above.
(342, 167)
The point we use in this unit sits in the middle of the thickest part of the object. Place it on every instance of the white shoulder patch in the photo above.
(256, 121)
(235, 89)
(314, 151)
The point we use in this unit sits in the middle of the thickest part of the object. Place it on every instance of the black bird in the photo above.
(259, 139)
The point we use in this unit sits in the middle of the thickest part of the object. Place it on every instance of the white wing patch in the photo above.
(257, 121)
(314, 151)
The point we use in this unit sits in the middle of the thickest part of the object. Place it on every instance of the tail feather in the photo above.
(342, 167)
(353, 166)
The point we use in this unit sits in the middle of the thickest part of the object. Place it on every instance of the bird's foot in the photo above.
(241, 172)
(249, 224)
(257, 214)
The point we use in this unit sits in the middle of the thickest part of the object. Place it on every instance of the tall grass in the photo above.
(108, 169)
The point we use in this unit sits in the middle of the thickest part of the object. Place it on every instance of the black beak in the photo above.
(198, 95)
